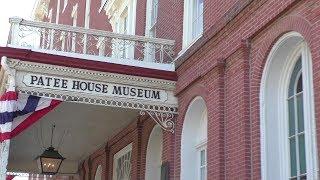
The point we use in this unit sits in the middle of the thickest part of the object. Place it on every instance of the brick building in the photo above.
(240, 78)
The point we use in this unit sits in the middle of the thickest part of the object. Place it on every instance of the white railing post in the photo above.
(84, 44)
(101, 46)
(14, 36)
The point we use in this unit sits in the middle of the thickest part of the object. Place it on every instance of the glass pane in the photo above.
(299, 84)
(291, 117)
(304, 177)
(293, 159)
(202, 157)
(293, 78)
(300, 113)
(302, 154)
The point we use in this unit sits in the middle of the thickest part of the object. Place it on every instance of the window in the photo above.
(296, 131)
(202, 161)
(197, 18)
(151, 21)
(122, 16)
(193, 21)
(288, 142)
(98, 175)
(122, 164)
(194, 142)
(154, 154)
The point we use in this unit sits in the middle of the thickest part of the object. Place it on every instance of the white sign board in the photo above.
(107, 89)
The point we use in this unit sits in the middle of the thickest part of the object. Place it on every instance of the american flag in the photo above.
(19, 111)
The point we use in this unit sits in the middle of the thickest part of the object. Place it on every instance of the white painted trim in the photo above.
(192, 139)
(310, 137)
(119, 154)
(98, 174)
(65, 3)
(154, 154)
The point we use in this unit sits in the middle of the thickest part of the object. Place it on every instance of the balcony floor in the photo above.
(136, 68)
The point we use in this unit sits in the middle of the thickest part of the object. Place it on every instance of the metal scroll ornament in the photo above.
(164, 119)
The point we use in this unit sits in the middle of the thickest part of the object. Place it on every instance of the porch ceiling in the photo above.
(83, 129)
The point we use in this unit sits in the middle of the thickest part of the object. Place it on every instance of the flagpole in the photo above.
(5, 145)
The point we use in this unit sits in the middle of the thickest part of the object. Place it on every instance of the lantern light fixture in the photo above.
(50, 160)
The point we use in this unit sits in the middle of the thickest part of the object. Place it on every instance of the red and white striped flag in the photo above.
(19, 111)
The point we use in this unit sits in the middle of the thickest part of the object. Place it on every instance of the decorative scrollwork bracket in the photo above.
(164, 119)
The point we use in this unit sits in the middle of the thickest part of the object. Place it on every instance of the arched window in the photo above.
(154, 155)
(194, 142)
(98, 175)
(288, 143)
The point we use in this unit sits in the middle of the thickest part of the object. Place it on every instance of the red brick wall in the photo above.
(137, 133)
(225, 68)
(98, 20)
(244, 43)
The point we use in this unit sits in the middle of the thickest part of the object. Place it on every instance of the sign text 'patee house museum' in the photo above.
(107, 89)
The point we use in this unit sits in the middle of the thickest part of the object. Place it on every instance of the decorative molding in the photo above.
(90, 75)
(164, 119)
(100, 100)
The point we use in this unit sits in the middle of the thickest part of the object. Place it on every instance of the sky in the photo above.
(11, 8)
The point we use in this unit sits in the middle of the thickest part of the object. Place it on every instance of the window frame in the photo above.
(117, 156)
(188, 18)
(308, 106)
(202, 146)
(298, 47)
(296, 134)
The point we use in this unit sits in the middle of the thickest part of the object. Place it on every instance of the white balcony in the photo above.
(90, 44)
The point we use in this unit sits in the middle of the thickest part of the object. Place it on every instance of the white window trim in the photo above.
(200, 147)
(58, 12)
(149, 16)
(65, 3)
(87, 14)
(119, 154)
(98, 173)
(115, 15)
(309, 113)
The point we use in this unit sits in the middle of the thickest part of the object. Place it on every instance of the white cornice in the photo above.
(91, 75)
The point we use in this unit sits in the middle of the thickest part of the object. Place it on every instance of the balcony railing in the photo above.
(91, 44)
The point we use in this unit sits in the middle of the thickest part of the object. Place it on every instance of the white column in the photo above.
(4, 156)
(58, 12)
(4, 146)
(86, 24)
